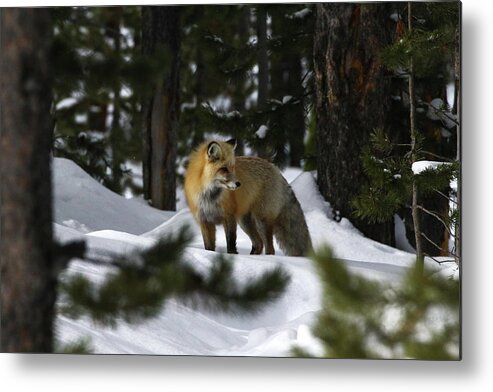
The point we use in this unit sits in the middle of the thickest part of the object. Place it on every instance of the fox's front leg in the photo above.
(209, 235)
(230, 231)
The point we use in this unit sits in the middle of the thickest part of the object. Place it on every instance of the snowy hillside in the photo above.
(112, 224)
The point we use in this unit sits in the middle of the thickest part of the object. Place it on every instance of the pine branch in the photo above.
(445, 113)
(144, 280)
(360, 305)
(110, 261)
(429, 105)
(219, 290)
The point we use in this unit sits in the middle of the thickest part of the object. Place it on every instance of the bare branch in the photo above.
(431, 241)
(438, 156)
(448, 198)
(438, 217)
(451, 260)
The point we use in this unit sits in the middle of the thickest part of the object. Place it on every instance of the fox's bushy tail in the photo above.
(290, 229)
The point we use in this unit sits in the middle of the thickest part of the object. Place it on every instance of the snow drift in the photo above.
(111, 224)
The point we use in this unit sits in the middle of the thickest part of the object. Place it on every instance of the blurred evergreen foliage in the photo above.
(415, 318)
(138, 285)
(236, 113)
(388, 167)
(80, 346)
(101, 77)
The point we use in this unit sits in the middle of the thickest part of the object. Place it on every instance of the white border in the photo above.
(474, 373)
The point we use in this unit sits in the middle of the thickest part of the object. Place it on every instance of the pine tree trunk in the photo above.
(263, 68)
(352, 99)
(28, 287)
(161, 33)
(197, 130)
(116, 134)
(263, 59)
(238, 93)
(296, 124)
(278, 88)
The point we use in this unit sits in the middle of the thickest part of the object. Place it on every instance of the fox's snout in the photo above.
(233, 185)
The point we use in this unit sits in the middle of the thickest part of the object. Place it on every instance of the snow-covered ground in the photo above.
(112, 224)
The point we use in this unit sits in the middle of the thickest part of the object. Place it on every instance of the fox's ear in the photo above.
(232, 142)
(213, 151)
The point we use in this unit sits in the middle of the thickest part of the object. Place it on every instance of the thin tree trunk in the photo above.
(296, 128)
(196, 128)
(285, 76)
(238, 93)
(263, 59)
(161, 34)
(148, 48)
(263, 68)
(412, 122)
(116, 134)
(352, 99)
(278, 88)
(28, 284)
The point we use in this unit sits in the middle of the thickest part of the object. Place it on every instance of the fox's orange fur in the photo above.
(223, 189)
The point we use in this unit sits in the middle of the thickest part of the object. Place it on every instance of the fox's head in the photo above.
(221, 167)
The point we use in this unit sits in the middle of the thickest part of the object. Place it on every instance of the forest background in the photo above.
(257, 73)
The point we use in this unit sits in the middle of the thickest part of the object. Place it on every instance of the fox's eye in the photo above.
(224, 169)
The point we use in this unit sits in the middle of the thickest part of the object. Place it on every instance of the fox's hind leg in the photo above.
(230, 231)
(267, 232)
(248, 225)
(209, 235)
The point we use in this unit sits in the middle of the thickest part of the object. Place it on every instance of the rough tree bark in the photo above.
(161, 35)
(352, 99)
(28, 285)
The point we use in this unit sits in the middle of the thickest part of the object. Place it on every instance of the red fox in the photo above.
(223, 189)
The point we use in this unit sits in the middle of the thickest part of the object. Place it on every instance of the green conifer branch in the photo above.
(138, 286)
(365, 318)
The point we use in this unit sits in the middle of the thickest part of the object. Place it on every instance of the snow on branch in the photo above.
(420, 166)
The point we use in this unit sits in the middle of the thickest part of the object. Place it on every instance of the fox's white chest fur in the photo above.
(209, 208)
